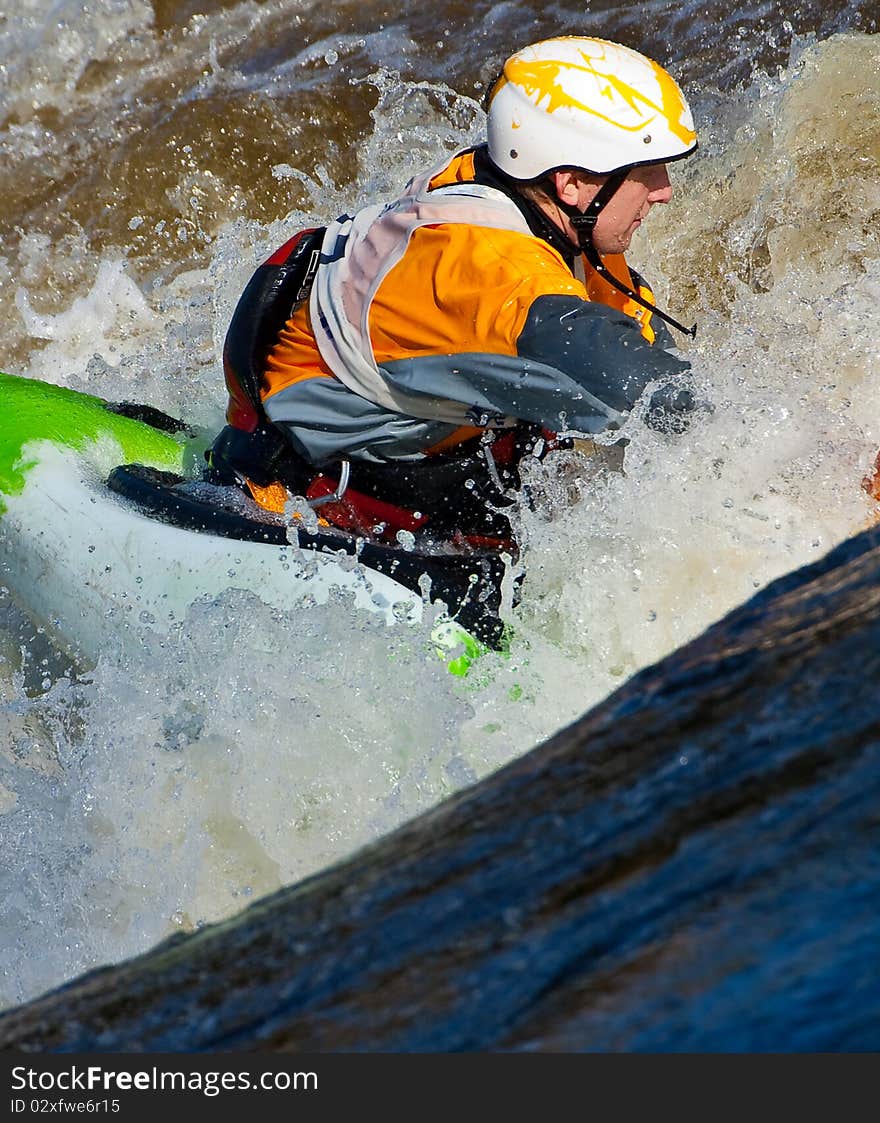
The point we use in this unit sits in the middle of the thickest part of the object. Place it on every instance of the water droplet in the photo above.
(331, 57)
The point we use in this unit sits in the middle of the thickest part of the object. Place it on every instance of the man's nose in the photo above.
(659, 187)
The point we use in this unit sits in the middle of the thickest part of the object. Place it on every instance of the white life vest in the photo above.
(356, 256)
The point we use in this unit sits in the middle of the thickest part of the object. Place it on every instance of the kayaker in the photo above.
(488, 310)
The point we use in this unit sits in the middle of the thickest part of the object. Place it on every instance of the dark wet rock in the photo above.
(694, 865)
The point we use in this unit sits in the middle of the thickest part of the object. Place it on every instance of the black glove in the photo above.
(672, 407)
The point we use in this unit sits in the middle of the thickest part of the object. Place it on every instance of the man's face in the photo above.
(623, 213)
(628, 206)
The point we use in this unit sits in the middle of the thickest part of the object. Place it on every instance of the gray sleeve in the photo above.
(602, 350)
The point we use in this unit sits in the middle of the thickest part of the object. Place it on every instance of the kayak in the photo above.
(107, 522)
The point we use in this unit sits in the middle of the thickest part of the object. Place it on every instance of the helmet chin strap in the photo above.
(584, 223)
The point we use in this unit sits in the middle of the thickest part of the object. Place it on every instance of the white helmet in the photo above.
(585, 103)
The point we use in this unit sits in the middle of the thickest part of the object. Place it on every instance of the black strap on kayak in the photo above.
(149, 415)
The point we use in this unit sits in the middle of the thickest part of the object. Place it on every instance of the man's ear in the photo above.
(566, 186)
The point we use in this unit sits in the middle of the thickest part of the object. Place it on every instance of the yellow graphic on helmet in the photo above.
(549, 80)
